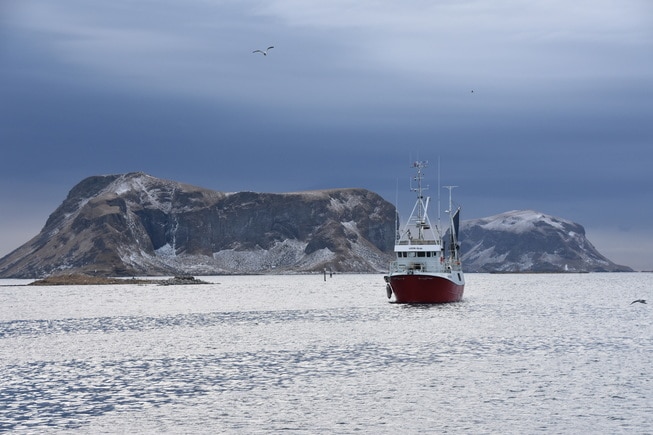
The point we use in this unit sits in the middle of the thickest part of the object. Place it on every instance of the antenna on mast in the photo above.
(397, 235)
(419, 165)
(439, 206)
(450, 203)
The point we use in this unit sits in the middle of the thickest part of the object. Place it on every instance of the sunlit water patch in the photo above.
(520, 354)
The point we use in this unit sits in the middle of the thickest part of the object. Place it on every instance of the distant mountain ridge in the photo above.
(135, 224)
(530, 241)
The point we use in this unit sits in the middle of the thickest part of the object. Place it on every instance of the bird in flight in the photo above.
(641, 301)
(264, 53)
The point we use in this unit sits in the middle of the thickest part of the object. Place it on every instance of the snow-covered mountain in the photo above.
(136, 224)
(529, 241)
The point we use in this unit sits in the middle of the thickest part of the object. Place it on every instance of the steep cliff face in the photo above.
(529, 241)
(135, 224)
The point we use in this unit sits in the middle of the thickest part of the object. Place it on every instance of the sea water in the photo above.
(564, 353)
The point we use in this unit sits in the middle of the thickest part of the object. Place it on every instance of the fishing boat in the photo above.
(427, 267)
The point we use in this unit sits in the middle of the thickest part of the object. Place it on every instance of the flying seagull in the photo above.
(641, 301)
(264, 53)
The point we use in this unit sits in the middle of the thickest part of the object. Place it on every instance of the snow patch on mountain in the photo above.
(166, 251)
(339, 205)
(480, 255)
(282, 255)
(350, 227)
(521, 221)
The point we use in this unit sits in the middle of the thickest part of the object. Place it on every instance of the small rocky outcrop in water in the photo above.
(181, 280)
(81, 279)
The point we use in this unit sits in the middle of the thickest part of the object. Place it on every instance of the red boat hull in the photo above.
(425, 289)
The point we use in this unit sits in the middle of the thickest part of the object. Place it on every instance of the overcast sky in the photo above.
(541, 104)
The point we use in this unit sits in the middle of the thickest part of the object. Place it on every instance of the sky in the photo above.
(544, 105)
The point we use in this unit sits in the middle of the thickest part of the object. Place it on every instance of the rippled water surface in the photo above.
(266, 354)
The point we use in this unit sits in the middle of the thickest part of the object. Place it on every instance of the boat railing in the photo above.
(414, 242)
(400, 267)
(444, 266)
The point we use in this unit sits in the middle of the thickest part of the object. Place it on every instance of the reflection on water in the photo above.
(520, 354)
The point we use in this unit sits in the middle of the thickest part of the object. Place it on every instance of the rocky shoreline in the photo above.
(81, 279)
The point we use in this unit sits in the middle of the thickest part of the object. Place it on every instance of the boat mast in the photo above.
(454, 237)
(439, 195)
(450, 210)
(421, 207)
(397, 230)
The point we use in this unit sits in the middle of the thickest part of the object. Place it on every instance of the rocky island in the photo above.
(82, 279)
